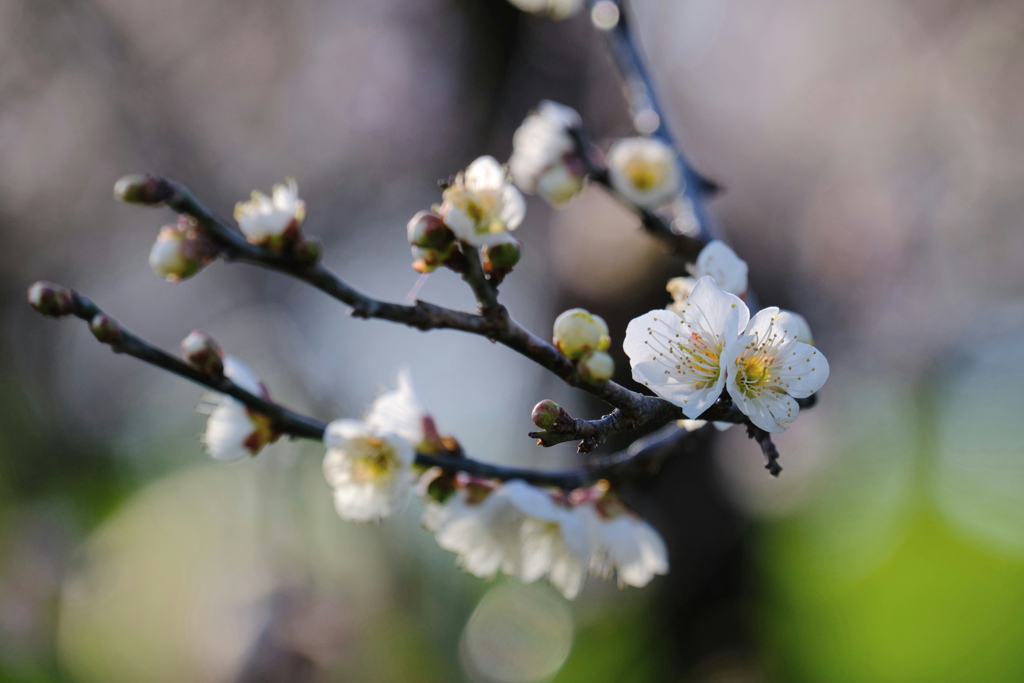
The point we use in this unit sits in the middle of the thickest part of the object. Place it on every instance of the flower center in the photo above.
(375, 460)
(753, 374)
(703, 359)
(643, 175)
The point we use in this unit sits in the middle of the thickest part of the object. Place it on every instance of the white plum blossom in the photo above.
(544, 159)
(679, 356)
(623, 544)
(767, 368)
(516, 528)
(556, 9)
(644, 170)
(233, 431)
(717, 260)
(481, 205)
(267, 220)
(369, 469)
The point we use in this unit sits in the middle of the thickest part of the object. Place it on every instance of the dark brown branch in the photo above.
(484, 291)
(291, 423)
(640, 94)
(771, 453)
(421, 315)
(685, 247)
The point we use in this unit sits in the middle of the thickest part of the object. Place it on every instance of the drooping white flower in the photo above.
(369, 469)
(644, 170)
(518, 529)
(768, 368)
(623, 544)
(269, 220)
(556, 9)
(577, 331)
(544, 159)
(481, 205)
(717, 260)
(679, 356)
(233, 431)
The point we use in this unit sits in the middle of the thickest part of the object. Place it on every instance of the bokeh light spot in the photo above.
(517, 634)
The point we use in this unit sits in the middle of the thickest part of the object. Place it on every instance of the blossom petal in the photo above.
(485, 174)
(715, 311)
(513, 207)
(802, 369)
(719, 261)
(399, 411)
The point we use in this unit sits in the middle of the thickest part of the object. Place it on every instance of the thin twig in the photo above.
(484, 291)
(640, 94)
(771, 453)
(291, 423)
(421, 315)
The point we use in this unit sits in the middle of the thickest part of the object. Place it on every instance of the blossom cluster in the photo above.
(707, 344)
(525, 531)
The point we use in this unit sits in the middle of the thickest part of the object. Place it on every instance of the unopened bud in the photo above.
(203, 353)
(105, 329)
(546, 414)
(501, 257)
(429, 260)
(51, 300)
(308, 251)
(169, 256)
(147, 190)
(181, 250)
(596, 366)
(578, 331)
(427, 230)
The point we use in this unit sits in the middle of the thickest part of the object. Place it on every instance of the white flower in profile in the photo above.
(544, 159)
(516, 528)
(768, 368)
(233, 431)
(624, 545)
(269, 220)
(717, 260)
(481, 205)
(369, 469)
(556, 9)
(644, 170)
(679, 356)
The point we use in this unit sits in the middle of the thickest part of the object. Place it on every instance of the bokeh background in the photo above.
(873, 158)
